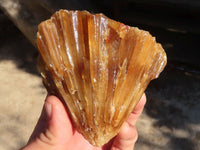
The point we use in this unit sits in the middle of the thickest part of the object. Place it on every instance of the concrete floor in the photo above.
(170, 121)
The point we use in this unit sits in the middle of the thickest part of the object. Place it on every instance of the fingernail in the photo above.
(48, 108)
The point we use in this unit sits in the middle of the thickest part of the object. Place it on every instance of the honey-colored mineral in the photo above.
(99, 67)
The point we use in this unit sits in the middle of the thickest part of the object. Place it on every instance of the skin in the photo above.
(54, 130)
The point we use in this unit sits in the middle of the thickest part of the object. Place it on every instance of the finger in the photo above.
(58, 127)
(137, 111)
(126, 138)
(59, 123)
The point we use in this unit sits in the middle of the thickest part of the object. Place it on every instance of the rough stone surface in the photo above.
(99, 67)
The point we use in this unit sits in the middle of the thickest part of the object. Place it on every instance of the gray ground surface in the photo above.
(170, 121)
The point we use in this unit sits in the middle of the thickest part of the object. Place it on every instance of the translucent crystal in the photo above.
(99, 67)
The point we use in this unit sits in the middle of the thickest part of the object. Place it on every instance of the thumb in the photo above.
(54, 128)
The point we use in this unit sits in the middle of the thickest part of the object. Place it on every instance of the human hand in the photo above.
(54, 130)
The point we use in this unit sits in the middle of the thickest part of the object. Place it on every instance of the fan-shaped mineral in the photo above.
(99, 67)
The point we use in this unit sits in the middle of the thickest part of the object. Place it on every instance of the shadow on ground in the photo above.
(25, 59)
(174, 101)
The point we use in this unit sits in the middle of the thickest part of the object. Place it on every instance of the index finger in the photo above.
(137, 111)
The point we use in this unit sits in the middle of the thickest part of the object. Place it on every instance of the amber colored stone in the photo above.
(99, 67)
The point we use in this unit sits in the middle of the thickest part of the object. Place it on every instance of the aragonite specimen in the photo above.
(99, 67)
